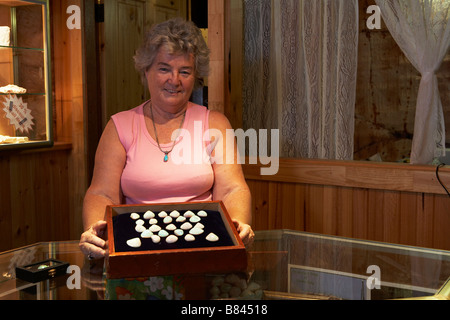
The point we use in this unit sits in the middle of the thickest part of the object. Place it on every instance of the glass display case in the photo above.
(25, 93)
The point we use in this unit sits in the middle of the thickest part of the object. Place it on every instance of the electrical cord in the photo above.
(439, 179)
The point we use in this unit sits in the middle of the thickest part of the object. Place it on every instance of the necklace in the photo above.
(166, 153)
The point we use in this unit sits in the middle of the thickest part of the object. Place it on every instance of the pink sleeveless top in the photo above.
(146, 178)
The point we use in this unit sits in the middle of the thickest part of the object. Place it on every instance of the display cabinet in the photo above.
(25, 93)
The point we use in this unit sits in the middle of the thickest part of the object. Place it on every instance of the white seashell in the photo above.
(134, 243)
(174, 214)
(135, 216)
(202, 214)
(212, 237)
(189, 238)
(181, 219)
(162, 214)
(149, 214)
(199, 225)
(186, 226)
(167, 220)
(194, 219)
(146, 234)
(140, 222)
(196, 231)
(179, 232)
(155, 228)
(171, 239)
(188, 214)
(171, 227)
(153, 221)
(163, 233)
(140, 228)
(156, 239)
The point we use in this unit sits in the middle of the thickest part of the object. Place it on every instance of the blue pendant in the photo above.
(166, 157)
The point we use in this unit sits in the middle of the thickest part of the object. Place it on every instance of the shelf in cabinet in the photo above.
(22, 48)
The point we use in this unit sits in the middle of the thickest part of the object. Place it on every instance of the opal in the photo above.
(188, 214)
(186, 226)
(146, 234)
(155, 228)
(196, 231)
(163, 233)
(189, 238)
(179, 232)
(202, 214)
(167, 220)
(194, 219)
(181, 219)
(153, 221)
(172, 239)
(135, 216)
(171, 227)
(199, 225)
(149, 214)
(140, 228)
(212, 237)
(134, 243)
(174, 214)
(162, 214)
(156, 239)
(140, 222)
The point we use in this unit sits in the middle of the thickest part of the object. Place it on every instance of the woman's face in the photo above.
(171, 79)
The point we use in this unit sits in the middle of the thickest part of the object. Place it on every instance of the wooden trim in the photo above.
(355, 174)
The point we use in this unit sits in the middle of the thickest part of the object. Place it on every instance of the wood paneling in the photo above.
(357, 200)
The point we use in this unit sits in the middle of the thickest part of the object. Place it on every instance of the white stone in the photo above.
(186, 226)
(162, 214)
(153, 221)
(189, 238)
(196, 231)
(171, 227)
(135, 216)
(212, 237)
(179, 232)
(156, 239)
(163, 233)
(134, 243)
(140, 222)
(181, 219)
(149, 214)
(199, 225)
(202, 214)
(174, 214)
(188, 214)
(140, 228)
(167, 220)
(195, 219)
(155, 228)
(171, 239)
(146, 234)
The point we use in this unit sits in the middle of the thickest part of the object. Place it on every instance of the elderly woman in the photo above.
(138, 157)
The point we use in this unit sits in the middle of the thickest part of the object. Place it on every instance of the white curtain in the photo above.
(421, 28)
(300, 67)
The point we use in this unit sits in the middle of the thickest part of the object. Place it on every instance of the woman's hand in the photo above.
(92, 243)
(245, 232)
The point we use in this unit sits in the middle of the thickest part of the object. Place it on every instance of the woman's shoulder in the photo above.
(217, 120)
(128, 113)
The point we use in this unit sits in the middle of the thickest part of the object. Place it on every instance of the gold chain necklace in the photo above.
(166, 153)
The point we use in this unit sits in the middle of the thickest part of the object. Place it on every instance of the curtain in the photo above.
(421, 28)
(300, 66)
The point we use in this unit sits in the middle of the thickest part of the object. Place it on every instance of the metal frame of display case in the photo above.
(48, 142)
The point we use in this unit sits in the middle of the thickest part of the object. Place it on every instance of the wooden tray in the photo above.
(176, 259)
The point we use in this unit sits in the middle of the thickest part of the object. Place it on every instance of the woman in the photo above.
(138, 155)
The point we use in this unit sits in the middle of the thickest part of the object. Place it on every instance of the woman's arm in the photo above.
(229, 183)
(104, 190)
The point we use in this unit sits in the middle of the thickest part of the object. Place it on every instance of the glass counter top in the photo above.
(282, 265)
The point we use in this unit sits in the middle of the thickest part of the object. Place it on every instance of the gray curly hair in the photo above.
(178, 36)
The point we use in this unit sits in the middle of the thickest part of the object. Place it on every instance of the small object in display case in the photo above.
(42, 270)
(25, 92)
(172, 239)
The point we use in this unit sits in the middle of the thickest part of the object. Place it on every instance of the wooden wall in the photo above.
(393, 203)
